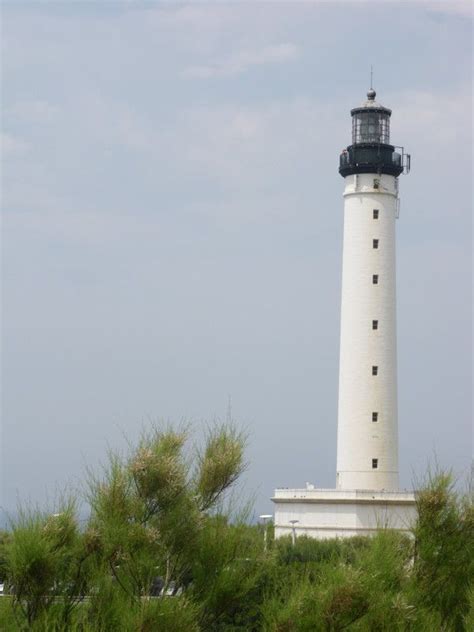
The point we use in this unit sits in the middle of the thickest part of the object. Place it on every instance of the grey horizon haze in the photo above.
(172, 229)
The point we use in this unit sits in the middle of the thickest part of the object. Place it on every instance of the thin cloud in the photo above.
(244, 60)
(461, 8)
(433, 117)
(35, 111)
(11, 145)
(451, 7)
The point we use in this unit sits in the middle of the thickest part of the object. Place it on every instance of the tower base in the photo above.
(337, 513)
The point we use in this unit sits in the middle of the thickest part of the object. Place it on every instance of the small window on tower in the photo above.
(376, 213)
(375, 279)
(375, 324)
(375, 416)
(375, 464)
(375, 243)
(375, 370)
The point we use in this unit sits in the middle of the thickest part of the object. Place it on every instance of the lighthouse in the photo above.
(367, 434)
(367, 495)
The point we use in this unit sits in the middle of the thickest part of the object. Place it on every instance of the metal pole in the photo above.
(265, 518)
(293, 531)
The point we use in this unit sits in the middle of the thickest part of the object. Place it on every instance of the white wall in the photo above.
(360, 393)
(337, 513)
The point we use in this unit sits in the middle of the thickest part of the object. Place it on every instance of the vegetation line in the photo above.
(159, 552)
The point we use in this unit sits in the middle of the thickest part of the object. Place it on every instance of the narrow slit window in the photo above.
(375, 279)
(376, 213)
(375, 324)
(375, 370)
(375, 417)
(375, 464)
(375, 243)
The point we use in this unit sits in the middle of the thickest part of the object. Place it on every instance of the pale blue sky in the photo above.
(172, 227)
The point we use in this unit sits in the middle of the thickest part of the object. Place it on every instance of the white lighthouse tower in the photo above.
(367, 496)
(367, 443)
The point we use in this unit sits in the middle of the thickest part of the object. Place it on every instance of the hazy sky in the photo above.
(172, 228)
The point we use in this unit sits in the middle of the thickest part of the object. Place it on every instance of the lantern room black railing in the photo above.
(374, 158)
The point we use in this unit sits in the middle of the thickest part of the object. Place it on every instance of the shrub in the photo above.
(443, 570)
(46, 558)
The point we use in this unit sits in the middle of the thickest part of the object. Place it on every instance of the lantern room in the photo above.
(371, 122)
(371, 151)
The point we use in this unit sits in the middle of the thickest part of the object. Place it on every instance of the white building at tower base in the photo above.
(337, 513)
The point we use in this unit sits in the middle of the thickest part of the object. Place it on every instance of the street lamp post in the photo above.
(265, 518)
(293, 531)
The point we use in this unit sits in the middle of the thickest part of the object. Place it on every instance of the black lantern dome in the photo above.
(371, 151)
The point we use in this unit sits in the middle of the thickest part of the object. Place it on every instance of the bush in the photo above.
(175, 614)
(229, 575)
(157, 520)
(443, 571)
(46, 558)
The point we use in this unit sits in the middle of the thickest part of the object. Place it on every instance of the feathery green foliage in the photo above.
(160, 553)
(443, 572)
(220, 464)
(46, 557)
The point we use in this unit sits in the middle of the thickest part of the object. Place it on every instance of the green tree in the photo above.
(148, 509)
(158, 521)
(46, 558)
(443, 572)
